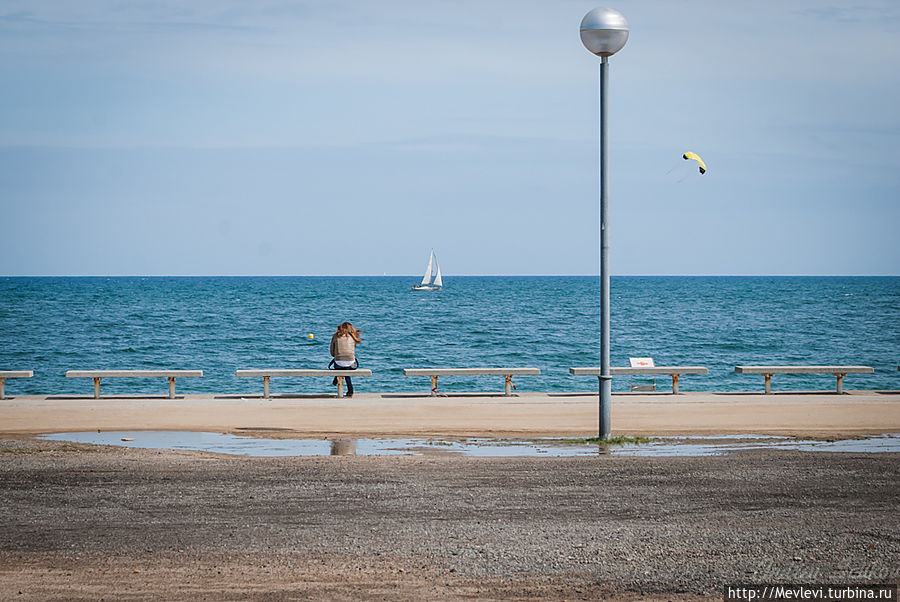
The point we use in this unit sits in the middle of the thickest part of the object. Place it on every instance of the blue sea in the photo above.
(220, 324)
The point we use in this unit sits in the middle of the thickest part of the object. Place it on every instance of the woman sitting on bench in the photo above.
(343, 350)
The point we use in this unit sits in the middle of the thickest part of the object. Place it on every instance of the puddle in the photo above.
(252, 446)
(880, 444)
(673, 446)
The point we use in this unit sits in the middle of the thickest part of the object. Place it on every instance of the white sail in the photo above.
(437, 279)
(429, 282)
(427, 278)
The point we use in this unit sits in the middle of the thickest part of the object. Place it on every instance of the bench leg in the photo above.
(96, 387)
(675, 384)
(340, 385)
(508, 379)
(840, 384)
(434, 386)
(171, 387)
(2, 383)
(265, 387)
(768, 383)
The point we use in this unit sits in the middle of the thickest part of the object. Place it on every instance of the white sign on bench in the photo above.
(641, 362)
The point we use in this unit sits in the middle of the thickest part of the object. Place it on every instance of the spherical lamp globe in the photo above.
(604, 31)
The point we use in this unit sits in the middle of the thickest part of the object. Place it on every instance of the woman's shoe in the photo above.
(350, 392)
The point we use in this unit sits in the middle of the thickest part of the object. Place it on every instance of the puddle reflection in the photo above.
(224, 443)
(343, 447)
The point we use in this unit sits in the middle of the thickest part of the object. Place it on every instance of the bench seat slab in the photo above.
(315, 372)
(470, 371)
(134, 373)
(594, 371)
(804, 369)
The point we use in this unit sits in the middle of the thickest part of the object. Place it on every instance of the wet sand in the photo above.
(88, 522)
(526, 415)
(82, 522)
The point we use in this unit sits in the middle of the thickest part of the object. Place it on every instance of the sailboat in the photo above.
(431, 282)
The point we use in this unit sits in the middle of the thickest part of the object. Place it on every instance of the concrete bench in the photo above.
(506, 373)
(839, 371)
(4, 374)
(267, 374)
(674, 371)
(170, 374)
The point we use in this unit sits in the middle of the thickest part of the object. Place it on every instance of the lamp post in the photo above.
(604, 32)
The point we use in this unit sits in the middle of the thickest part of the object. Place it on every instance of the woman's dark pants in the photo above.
(346, 378)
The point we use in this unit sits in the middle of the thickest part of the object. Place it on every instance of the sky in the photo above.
(328, 137)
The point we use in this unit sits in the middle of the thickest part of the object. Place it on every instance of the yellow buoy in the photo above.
(310, 335)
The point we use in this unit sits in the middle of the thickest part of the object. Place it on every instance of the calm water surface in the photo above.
(219, 324)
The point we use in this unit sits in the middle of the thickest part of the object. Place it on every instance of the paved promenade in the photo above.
(477, 414)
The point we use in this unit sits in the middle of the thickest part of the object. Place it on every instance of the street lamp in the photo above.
(604, 32)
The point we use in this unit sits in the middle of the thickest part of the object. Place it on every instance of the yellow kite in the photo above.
(695, 157)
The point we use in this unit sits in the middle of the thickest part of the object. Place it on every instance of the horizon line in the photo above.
(415, 276)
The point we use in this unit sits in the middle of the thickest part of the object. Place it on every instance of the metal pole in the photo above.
(605, 378)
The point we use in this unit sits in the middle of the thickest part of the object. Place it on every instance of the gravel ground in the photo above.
(91, 522)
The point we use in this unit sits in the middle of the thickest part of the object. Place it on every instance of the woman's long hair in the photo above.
(346, 330)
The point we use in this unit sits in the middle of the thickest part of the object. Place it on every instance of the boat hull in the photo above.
(426, 287)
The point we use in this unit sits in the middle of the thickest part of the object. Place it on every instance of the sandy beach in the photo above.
(90, 522)
(83, 522)
(477, 414)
